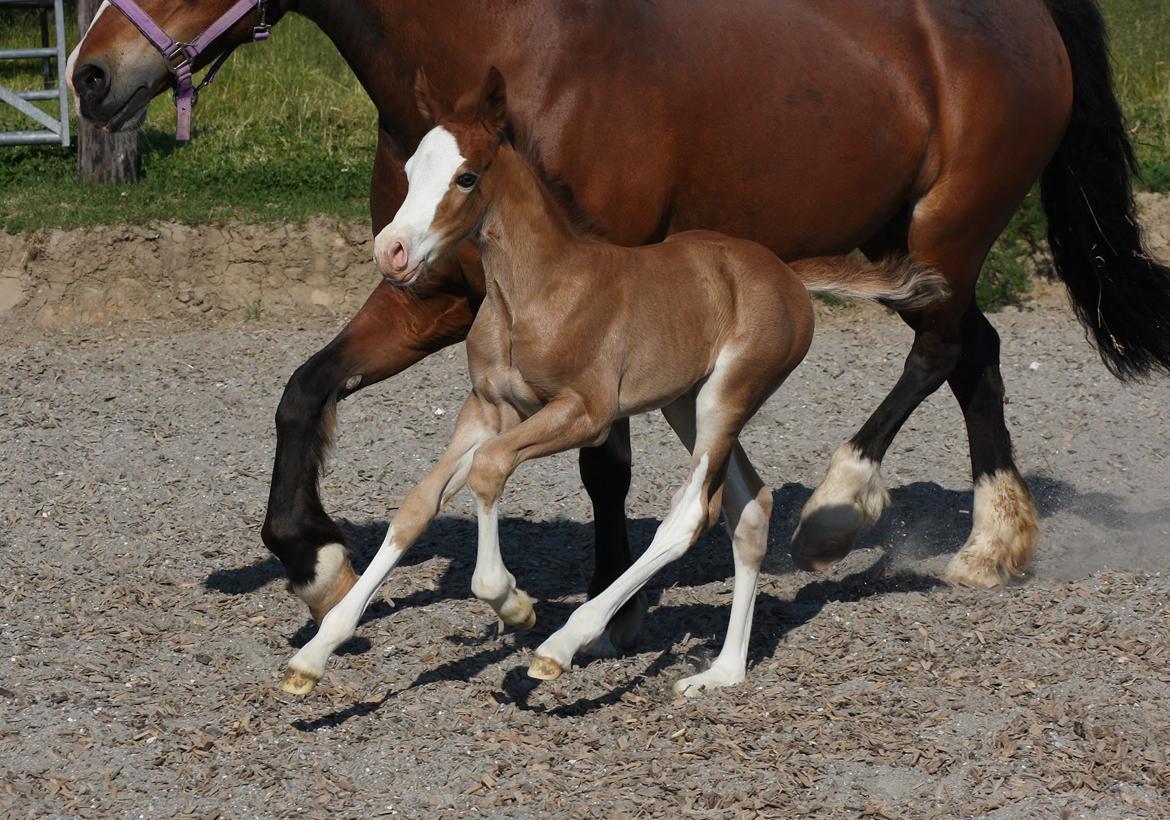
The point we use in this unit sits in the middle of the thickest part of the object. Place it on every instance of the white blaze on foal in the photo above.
(407, 243)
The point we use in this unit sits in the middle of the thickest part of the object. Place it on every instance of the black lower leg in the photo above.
(931, 360)
(605, 472)
(296, 525)
(978, 387)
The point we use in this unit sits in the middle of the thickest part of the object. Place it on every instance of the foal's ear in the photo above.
(431, 107)
(493, 101)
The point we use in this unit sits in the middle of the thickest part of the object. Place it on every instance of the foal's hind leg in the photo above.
(747, 508)
(683, 525)
(721, 416)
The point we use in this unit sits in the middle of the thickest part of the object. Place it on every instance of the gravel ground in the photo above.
(143, 626)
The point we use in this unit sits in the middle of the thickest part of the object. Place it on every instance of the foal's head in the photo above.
(449, 184)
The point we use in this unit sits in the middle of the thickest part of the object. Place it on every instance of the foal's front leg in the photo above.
(474, 426)
(563, 424)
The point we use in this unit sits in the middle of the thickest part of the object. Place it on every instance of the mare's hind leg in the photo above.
(852, 495)
(1003, 532)
(951, 229)
(723, 405)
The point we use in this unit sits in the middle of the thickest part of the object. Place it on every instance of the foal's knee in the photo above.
(750, 538)
(490, 468)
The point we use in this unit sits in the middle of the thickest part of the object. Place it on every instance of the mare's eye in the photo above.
(466, 180)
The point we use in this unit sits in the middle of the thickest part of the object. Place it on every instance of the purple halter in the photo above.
(180, 57)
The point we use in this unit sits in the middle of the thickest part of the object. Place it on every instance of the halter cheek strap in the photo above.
(180, 57)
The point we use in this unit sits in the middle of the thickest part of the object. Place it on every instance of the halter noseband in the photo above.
(180, 57)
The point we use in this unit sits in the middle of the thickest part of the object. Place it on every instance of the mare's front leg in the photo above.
(474, 426)
(392, 331)
(564, 423)
(605, 472)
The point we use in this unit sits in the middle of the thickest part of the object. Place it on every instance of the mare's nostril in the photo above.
(90, 82)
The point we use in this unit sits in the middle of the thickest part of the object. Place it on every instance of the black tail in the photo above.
(1118, 291)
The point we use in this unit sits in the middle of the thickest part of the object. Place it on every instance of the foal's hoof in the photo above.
(543, 668)
(298, 683)
(521, 615)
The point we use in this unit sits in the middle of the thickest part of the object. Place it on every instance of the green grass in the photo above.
(286, 133)
(1140, 31)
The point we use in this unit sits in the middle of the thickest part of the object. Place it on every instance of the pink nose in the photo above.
(398, 256)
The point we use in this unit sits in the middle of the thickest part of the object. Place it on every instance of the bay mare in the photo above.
(574, 334)
(894, 126)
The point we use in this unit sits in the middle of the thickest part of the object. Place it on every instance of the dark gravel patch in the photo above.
(143, 625)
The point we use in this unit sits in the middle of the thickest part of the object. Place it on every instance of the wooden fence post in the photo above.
(111, 158)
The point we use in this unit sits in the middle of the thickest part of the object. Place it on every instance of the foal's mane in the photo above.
(559, 191)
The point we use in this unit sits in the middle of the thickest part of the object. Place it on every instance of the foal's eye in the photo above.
(467, 180)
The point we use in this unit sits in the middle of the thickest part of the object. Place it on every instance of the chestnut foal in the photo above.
(574, 334)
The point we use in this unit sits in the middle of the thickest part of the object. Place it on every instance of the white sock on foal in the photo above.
(491, 580)
(673, 538)
(747, 505)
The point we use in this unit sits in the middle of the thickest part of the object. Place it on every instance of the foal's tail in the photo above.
(1118, 291)
(897, 282)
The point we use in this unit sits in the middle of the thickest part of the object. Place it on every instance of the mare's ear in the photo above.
(430, 106)
(493, 101)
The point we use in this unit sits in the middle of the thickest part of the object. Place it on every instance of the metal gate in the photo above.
(53, 129)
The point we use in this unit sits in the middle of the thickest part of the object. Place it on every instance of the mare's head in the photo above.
(115, 71)
(449, 181)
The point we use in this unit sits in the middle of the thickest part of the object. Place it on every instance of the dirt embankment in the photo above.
(170, 270)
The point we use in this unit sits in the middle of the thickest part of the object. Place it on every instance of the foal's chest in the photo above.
(504, 372)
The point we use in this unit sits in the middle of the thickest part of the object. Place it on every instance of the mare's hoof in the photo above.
(825, 536)
(543, 668)
(298, 683)
(342, 583)
(627, 623)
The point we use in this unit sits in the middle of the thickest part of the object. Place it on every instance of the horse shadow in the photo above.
(552, 559)
(774, 619)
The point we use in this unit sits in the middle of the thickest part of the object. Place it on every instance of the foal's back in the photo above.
(673, 309)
